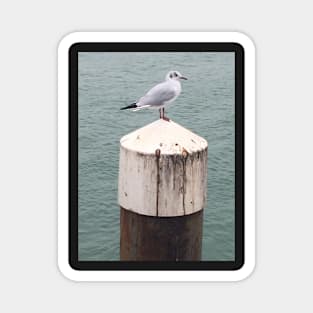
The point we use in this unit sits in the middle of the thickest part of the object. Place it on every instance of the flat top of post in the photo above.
(169, 137)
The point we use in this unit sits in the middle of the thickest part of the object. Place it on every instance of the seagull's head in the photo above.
(174, 75)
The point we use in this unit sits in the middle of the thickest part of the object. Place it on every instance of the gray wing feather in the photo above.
(158, 95)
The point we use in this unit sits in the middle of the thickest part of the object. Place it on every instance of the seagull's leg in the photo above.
(163, 116)
(160, 110)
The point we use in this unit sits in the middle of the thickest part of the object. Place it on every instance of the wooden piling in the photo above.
(162, 193)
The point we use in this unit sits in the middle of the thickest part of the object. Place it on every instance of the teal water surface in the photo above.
(108, 81)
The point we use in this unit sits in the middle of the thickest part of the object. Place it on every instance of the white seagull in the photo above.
(160, 95)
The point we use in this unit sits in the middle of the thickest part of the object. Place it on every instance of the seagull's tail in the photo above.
(141, 107)
(131, 106)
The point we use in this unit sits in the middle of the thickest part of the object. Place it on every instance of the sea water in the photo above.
(109, 81)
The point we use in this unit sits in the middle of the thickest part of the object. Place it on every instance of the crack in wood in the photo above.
(157, 153)
(185, 156)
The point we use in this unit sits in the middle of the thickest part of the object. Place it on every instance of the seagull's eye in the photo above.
(175, 74)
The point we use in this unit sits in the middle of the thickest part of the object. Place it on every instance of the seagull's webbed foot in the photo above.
(165, 118)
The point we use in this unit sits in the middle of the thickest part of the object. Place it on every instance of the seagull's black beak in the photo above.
(183, 77)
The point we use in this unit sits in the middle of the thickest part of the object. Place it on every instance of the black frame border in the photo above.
(239, 153)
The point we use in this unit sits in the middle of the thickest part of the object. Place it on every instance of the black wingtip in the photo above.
(131, 106)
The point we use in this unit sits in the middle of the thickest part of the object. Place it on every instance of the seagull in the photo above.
(160, 95)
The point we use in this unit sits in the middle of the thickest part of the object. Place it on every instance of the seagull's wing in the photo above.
(158, 95)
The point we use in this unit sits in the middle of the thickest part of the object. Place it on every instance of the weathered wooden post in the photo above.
(162, 193)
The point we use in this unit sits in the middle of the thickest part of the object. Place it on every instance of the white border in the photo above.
(249, 232)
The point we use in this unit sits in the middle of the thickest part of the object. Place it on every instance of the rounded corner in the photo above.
(68, 41)
(244, 40)
(244, 271)
(68, 271)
